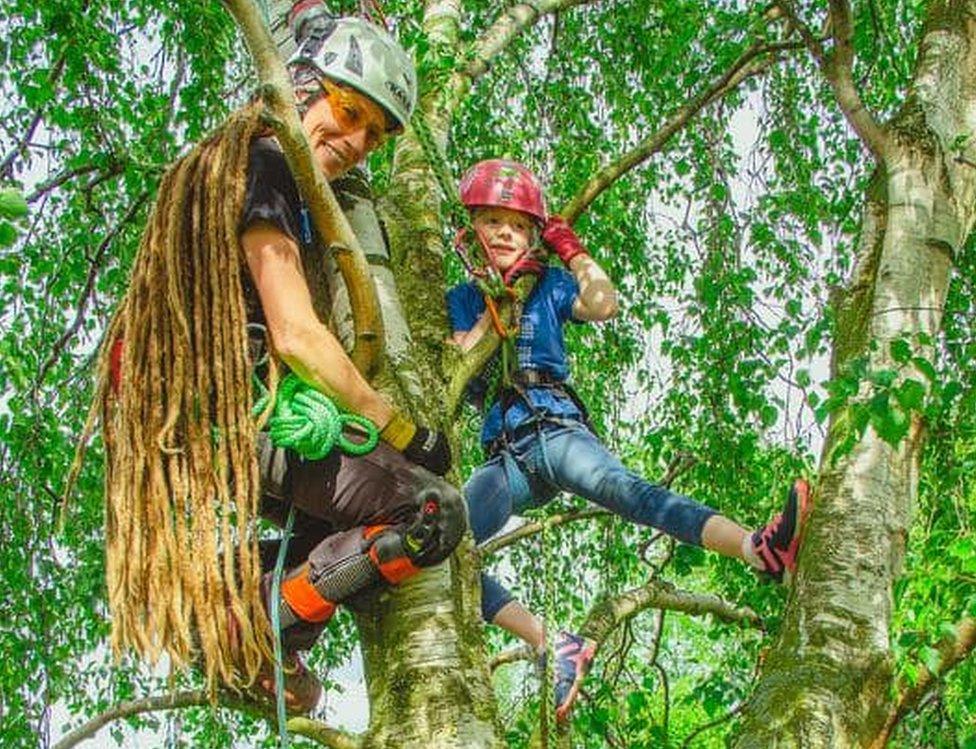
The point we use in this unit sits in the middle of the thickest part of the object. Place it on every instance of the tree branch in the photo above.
(953, 650)
(331, 223)
(301, 726)
(608, 614)
(7, 165)
(536, 526)
(471, 363)
(837, 67)
(748, 64)
(509, 25)
(841, 75)
(59, 179)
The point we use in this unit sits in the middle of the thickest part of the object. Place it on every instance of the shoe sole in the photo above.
(804, 505)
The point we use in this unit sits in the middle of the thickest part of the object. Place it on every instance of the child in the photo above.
(535, 433)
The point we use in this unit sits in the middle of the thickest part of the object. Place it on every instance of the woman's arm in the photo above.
(303, 342)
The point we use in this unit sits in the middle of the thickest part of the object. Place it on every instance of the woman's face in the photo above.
(342, 128)
(508, 234)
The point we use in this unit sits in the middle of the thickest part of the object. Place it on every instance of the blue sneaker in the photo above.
(574, 654)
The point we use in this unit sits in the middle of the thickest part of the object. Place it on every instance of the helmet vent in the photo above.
(354, 60)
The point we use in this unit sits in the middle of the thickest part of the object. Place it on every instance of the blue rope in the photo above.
(284, 740)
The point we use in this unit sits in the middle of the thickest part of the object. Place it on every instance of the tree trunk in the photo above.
(827, 679)
(426, 674)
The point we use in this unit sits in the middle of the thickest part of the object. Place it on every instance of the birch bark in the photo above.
(827, 679)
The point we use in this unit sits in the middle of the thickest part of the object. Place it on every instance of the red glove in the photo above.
(561, 239)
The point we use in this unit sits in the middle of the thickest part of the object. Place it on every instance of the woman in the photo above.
(535, 432)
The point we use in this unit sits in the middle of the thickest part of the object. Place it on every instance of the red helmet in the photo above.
(499, 183)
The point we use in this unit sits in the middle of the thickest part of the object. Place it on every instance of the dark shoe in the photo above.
(778, 543)
(303, 690)
(574, 654)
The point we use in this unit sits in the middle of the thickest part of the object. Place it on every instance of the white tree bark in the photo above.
(827, 680)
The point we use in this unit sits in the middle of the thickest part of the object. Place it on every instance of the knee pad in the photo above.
(440, 523)
(336, 568)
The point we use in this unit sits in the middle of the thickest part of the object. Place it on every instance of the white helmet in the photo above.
(364, 56)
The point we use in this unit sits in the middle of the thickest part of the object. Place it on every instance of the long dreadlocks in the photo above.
(181, 477)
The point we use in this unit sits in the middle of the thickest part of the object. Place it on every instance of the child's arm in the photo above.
(468, 339)
(597, 298)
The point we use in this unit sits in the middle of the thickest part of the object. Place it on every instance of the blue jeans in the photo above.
(568, 456)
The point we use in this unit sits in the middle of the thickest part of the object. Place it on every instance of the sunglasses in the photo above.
(353, 111)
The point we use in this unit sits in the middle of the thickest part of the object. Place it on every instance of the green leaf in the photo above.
(925, 367)
(901, 351)
(12, 203)
(891, 424)
(931, 658)
(8, 234)
(911, 395)
(883, 377)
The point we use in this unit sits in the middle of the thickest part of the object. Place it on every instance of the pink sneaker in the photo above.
(778, 542)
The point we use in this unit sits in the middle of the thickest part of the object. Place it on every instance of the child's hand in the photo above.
(561, 239)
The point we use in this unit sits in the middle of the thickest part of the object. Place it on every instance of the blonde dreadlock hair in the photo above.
(181, 476)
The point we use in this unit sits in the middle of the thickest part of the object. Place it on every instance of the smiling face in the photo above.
(342, 127)
(509, 234)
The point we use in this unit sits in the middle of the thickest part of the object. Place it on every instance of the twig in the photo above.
(6, 166)
(953, 650)
(747, 65)
(59, 179)
(712, 724)
(536, 526)
(300, 726)
(86, 292)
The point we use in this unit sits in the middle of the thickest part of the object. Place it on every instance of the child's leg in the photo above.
(580, 463)
(577, 461)
(522, 623)
(491, 493)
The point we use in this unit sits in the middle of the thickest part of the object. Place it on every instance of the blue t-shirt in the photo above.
(540, 344)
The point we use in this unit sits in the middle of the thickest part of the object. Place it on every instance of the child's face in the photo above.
(509, 234)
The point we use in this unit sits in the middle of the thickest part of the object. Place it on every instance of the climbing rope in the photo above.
(308, 422)
(547, 701)
(284, 741)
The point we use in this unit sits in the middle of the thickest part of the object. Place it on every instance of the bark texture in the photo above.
(827, 681)
(427, 677)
